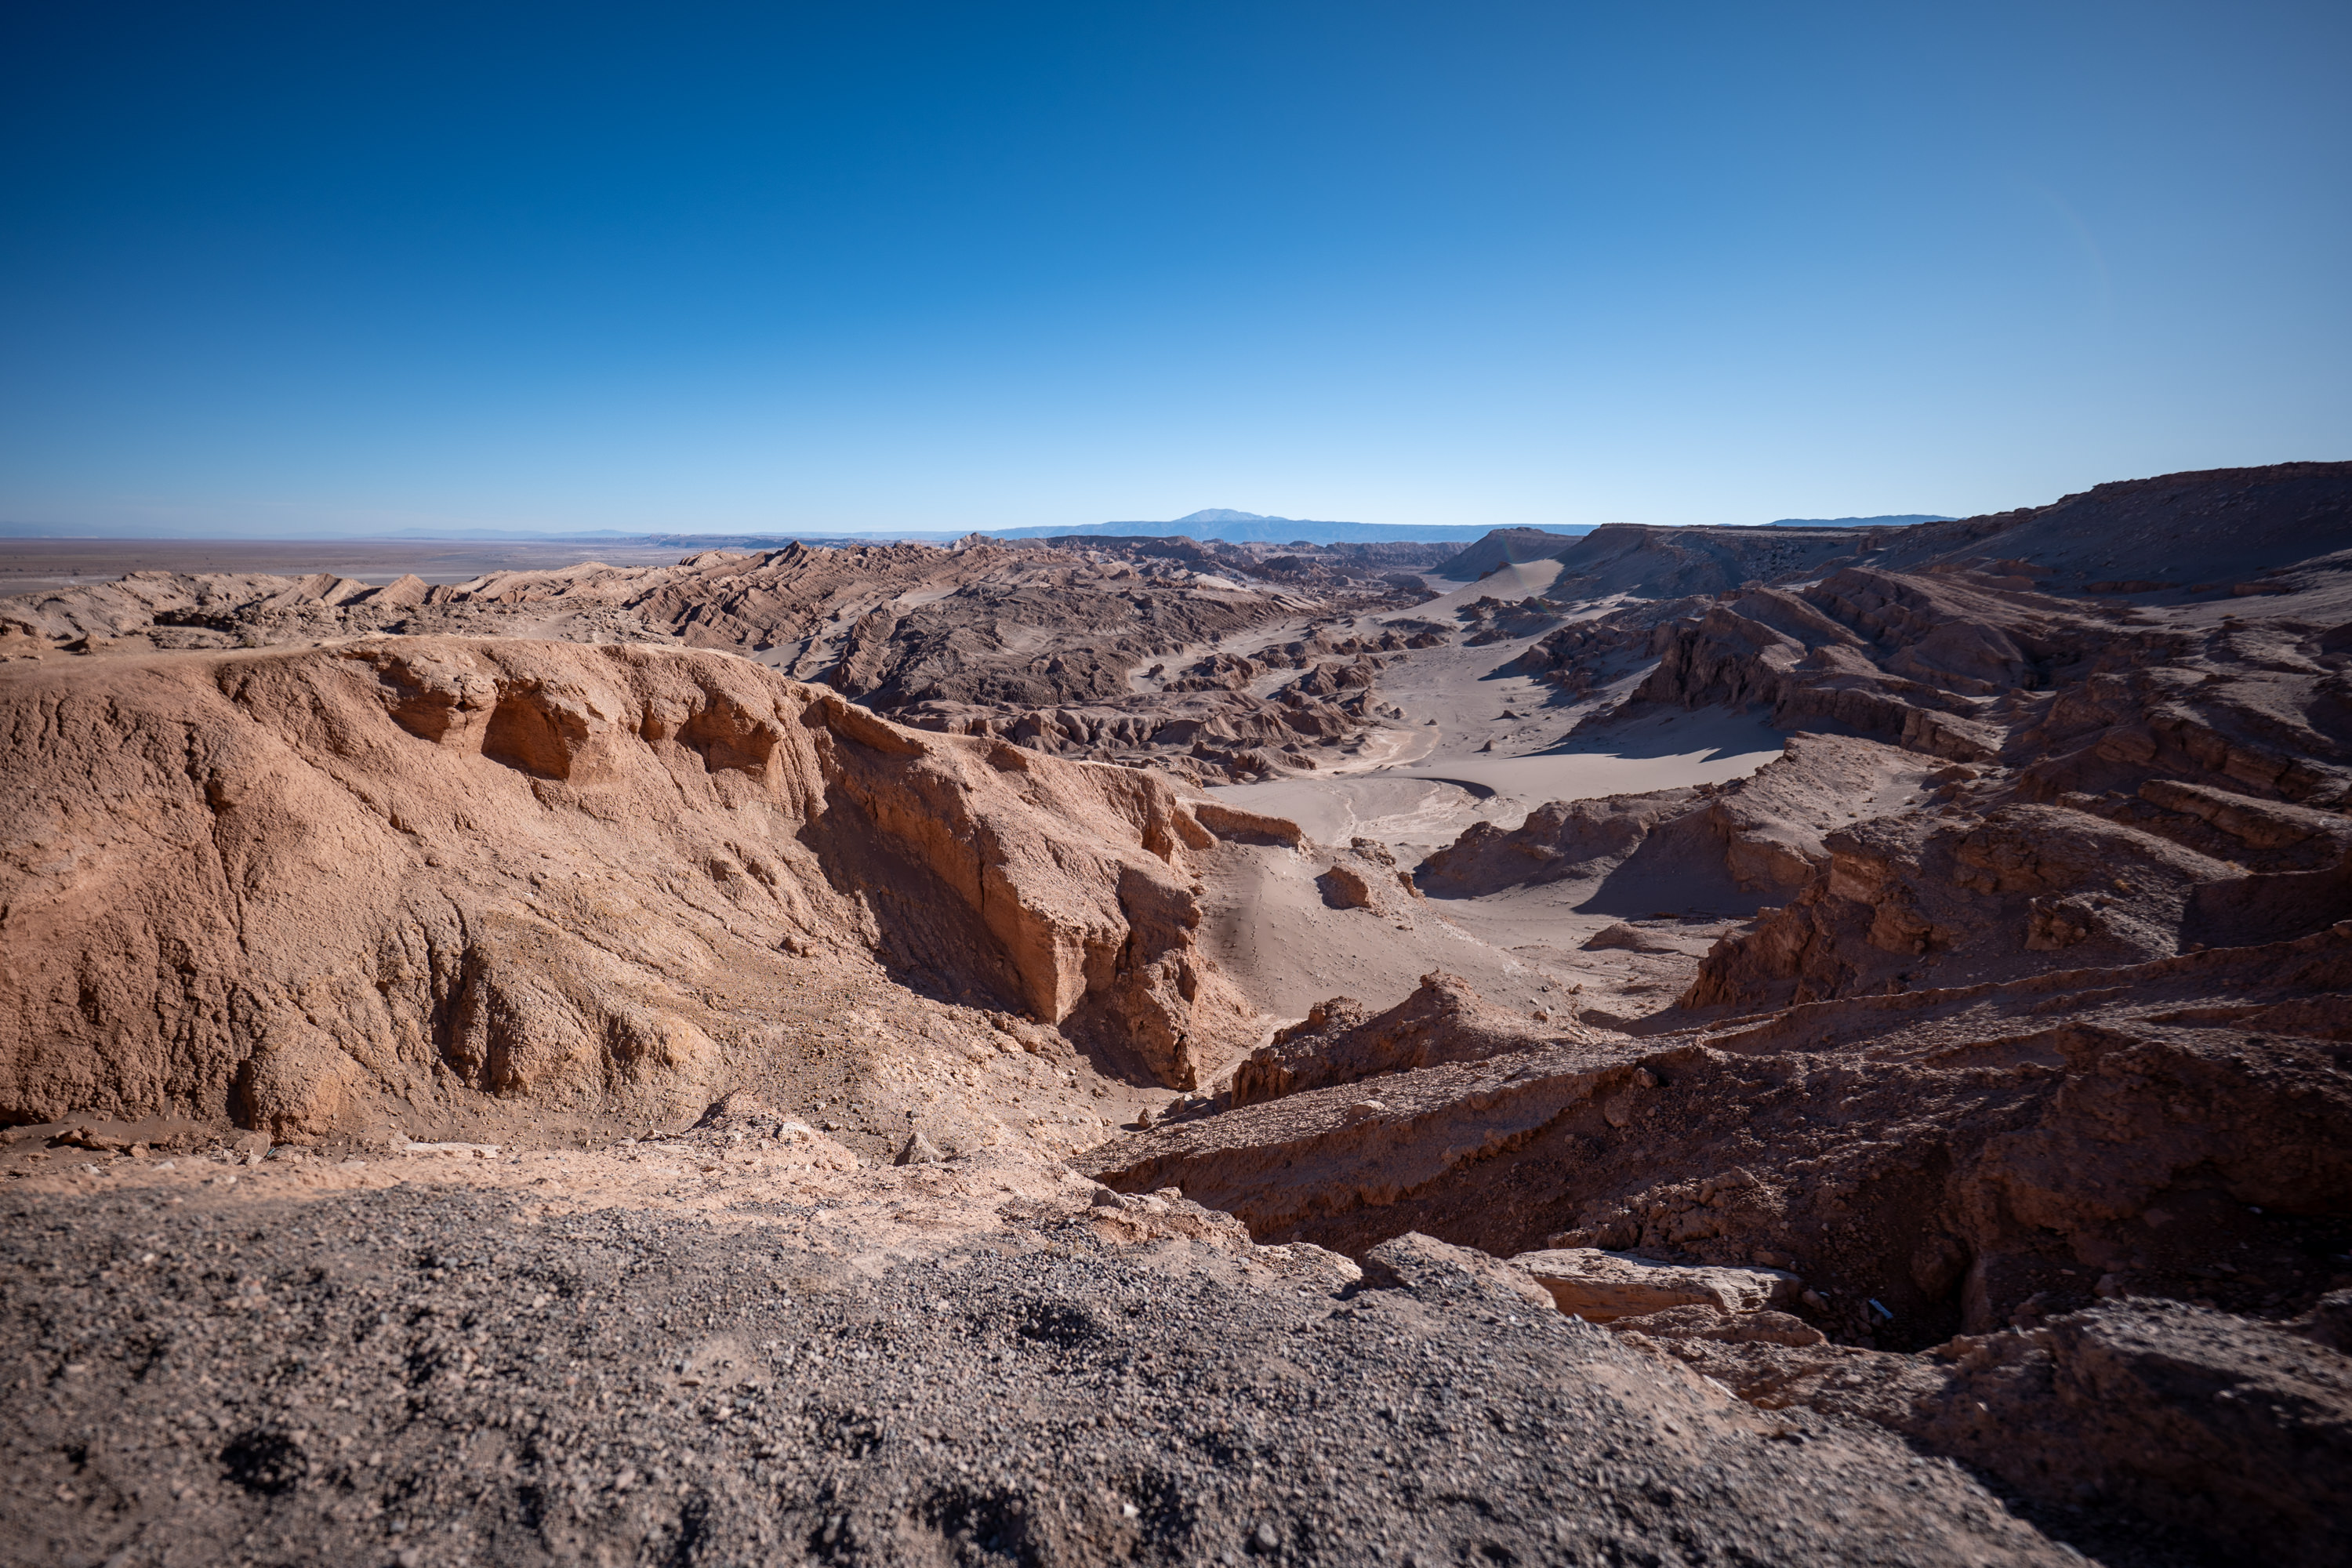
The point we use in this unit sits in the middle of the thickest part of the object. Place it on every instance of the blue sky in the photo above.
(322, 270)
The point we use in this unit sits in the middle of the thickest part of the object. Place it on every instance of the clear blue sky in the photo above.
(338, 268)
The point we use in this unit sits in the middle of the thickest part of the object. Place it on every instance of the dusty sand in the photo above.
(1474, 744)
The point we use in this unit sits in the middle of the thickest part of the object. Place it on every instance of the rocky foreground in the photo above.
(717, 1349)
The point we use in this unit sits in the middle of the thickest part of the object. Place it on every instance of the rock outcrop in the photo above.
(1730, 844)
(1631, 558)
(2235, 1431)
(2014, 1163)
(1602, 1287)
(1988, 887)
(1565, 840)
(1338, 1042)
(283, 886)
(1930, 1162)
(1943, 646)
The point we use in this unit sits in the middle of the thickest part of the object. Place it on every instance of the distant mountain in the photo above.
(1211, 522)
(522, 535)
(1253, 528)
(1904, 519)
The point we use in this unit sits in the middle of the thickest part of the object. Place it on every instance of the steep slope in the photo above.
(1667, 562)
(2204, 531)
(1504, 547)
(309, 887)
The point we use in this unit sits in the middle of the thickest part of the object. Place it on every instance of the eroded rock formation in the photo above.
(2007, 1125)
(279, 885)
(1089, 648)
(2030, 1068)
(1338, 1042)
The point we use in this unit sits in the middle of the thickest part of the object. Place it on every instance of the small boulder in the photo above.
(919, 1151)
(1436, 1270)
(1600, 1287)
(1345, 887)
(737, 1110)
(1759, 1328)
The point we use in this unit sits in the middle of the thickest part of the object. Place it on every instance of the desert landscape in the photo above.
(1803, 1044)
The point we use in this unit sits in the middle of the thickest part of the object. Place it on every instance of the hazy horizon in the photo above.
(11, 529)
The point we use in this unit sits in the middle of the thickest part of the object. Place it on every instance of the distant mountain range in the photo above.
(1251, 528)
(1215, 523)
(1210, 522)
(1902, 520)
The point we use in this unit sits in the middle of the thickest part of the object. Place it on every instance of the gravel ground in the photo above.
(448, 1372)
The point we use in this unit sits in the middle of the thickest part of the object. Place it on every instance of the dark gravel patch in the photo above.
(428, 1377)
